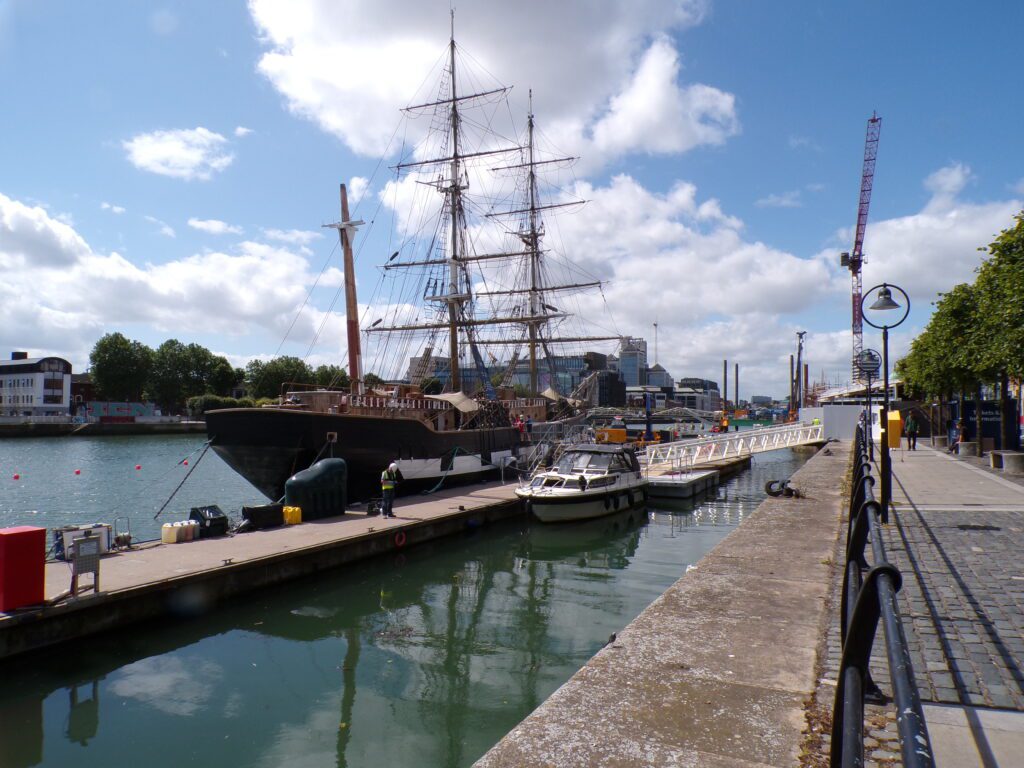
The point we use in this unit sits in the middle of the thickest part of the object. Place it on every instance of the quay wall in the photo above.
(96, 429)
(718, 670)
(194, 593)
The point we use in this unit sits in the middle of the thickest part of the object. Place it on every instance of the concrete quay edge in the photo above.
(718, 670)
(200, 589)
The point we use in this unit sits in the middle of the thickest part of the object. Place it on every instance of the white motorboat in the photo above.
(586, 481)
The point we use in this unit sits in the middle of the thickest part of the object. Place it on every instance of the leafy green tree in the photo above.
(331, 376)
(372, 380)
(119, 368)
(266, 379)
(431, 386)
(221, 377)
(178, 373)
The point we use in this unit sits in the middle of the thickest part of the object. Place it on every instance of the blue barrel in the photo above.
(321, 491)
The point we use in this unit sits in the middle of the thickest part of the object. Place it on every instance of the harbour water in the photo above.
(427, 657)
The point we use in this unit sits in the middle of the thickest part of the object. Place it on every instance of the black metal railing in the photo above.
(869, 593)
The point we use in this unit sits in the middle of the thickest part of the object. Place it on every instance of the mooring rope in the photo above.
(190, 471)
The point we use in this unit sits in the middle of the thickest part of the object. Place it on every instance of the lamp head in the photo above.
(884, 300)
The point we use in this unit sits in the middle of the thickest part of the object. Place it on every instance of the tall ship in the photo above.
(469, 298)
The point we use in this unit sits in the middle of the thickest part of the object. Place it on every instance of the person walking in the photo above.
(910, 429)
(389, 478)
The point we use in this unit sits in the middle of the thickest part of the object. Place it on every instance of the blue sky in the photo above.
(723, 139)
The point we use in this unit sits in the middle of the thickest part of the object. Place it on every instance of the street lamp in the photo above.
(869, 363)
(884, 303)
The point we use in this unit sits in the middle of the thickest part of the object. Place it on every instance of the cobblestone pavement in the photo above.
(958, 539)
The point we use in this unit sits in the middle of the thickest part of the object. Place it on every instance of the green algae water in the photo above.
(427, 657)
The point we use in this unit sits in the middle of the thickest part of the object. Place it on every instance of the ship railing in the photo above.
(703, 450)
(869, 595)
(398, 403)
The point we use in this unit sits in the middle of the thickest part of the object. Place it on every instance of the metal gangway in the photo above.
(684, 455)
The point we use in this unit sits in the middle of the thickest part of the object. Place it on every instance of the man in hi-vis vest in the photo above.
(389, 478)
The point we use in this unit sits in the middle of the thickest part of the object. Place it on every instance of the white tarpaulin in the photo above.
(458, 400)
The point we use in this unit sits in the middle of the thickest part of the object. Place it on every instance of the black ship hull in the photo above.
(266, 446)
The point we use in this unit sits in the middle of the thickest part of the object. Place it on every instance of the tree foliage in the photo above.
(119, 368)
(266, 378)
(977, 330)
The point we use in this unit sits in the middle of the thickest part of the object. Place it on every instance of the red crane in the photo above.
(855, 258)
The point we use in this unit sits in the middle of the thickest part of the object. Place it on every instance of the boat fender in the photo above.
(400, 539)
(607, 502)
(632, 501)
(615, 502)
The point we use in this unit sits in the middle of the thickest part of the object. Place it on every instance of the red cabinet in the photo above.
(22, 566)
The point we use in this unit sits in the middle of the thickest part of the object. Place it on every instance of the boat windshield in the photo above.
(575, 462)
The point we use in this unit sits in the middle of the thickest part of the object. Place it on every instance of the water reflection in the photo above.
(425, 658)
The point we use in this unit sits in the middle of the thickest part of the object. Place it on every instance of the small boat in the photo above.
(586, 481)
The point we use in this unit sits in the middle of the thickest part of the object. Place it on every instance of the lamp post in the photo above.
(884, 303)
(869, 363)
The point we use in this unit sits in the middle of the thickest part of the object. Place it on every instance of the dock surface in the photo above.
(156, 579)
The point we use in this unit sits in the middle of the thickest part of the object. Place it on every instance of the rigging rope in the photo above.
(190, 471)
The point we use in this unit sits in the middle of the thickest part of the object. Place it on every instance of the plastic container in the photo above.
(292, 515)
(193, 529)
(167, 534)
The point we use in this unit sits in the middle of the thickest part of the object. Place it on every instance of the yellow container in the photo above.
(167, 534)
(894, 429)
(292, 515)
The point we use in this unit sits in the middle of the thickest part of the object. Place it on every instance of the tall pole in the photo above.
(736, 386)
(534, 258)
(453, 270)
(725, 385)
(883, 415)
(871, 441)
(346, 228)
(792, 386)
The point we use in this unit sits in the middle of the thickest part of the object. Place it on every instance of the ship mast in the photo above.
(531, 239)
(346, 228)
(454, 200)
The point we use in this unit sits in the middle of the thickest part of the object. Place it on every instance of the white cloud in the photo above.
(653, 114)
(241, 131)
(932, 250)
(60, 295)
(163, 227)
(30, 237)
(357, 187)
(163, 22)
(292, 236)
(789, 199)
(115, 209)
(803, 142)
(1018, 187)
(214, 227)
(195, 153)
(606, 82)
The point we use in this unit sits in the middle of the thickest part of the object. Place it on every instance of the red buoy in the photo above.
(138, 466)
(17, 477)
(186, 462)
(78, 471)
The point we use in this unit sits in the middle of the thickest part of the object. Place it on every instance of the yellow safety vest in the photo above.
(387, 480)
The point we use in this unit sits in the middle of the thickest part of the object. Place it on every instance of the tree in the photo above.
(119, 368)
(171, 379)
(265, 379)
(222, 377)
(331, 376)
(372, 380)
